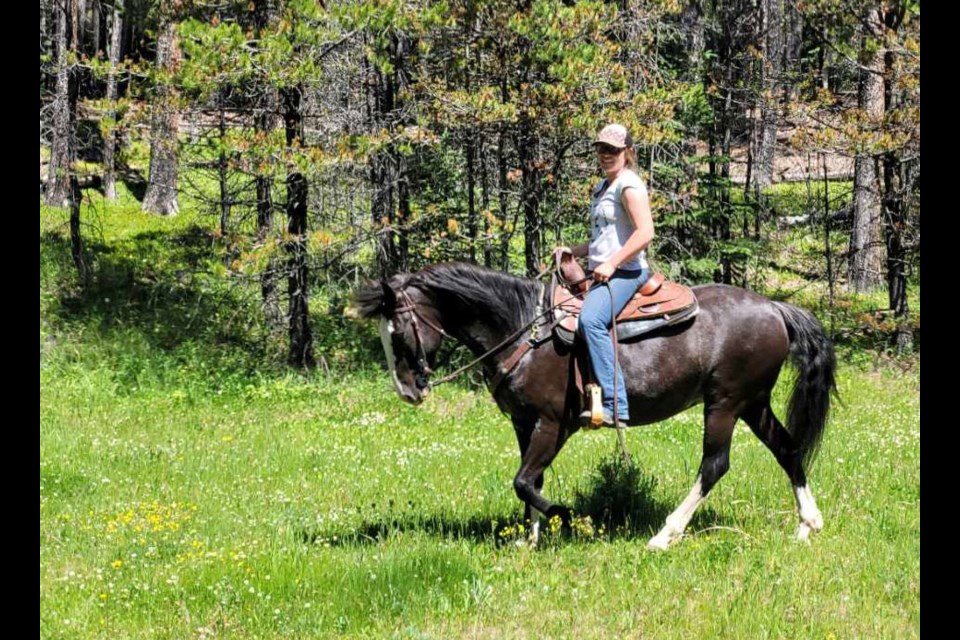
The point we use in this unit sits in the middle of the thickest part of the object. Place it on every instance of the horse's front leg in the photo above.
(531, 517)
(540, 443)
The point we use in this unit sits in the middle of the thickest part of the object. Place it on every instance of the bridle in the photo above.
(423, 370)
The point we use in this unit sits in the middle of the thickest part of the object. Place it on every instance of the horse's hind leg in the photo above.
(718, 432)
(771, 432)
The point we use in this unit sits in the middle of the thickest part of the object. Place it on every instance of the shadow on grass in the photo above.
(618, 498)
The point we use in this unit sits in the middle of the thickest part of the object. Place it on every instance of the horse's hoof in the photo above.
(658, 543)
(808, 526)
(815, 522)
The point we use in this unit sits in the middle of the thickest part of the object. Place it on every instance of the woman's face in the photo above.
(611, 158)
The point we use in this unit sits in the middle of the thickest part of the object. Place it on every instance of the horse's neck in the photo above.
(473, 323)
(476, 330)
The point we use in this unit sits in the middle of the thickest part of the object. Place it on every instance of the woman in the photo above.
(621, 227)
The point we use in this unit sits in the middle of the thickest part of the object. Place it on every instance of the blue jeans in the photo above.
(595, 323)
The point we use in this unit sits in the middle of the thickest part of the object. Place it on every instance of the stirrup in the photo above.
(594, 412)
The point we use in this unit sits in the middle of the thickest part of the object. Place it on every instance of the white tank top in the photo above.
(610, 225)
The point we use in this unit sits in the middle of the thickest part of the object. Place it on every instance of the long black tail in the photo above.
(812, 353)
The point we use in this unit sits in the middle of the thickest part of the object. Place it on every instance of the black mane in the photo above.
(472, 288)
(477, 289)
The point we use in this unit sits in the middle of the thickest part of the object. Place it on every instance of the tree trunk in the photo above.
(825, 59)
(382, 179)
(726, 136)
(502, 191)
(44, 14)
(470, 150)
(792, 51)
(222, 172)
(268, 279)
(866, 246)
(403, 210)
(401, 52)
(301, 339)
(77, 12)
(95, 10)
(62, 149)
(896, 205)
(110, 142)
(692, 21)
(503, 200)
(896, 252)
(388, 168)
(771, 72)
(485, 204)
(828, 251)
(527, 145)
(161, 196)
(265, 16)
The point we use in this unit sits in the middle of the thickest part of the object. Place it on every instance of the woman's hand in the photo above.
(604, 272)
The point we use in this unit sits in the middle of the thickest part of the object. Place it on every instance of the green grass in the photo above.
(348, 512)
(190, 488)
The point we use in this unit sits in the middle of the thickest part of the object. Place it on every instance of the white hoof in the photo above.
(657, 545)
(662, 541)
(810, 516)
(815, 522)
(809, 524)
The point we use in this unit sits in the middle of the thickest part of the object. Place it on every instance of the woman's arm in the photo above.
(637, 205)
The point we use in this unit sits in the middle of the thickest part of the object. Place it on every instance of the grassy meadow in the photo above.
(190, 489)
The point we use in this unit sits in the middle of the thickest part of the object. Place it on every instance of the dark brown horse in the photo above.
(728, 357)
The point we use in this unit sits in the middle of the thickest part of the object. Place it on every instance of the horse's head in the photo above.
(410, 332)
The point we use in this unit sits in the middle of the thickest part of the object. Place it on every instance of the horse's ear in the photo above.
(389, 300)
(372, 300)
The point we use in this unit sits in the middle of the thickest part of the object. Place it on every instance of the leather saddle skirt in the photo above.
(658, 303)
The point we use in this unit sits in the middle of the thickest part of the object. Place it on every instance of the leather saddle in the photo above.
(658, 303)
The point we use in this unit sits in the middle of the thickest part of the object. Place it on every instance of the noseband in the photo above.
(423, 369)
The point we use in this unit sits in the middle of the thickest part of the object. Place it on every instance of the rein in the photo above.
(515, 357)
(510, 362)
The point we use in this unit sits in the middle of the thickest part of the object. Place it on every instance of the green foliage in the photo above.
(620, 497)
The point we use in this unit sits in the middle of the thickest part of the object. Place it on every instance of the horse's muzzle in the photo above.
(414, 396)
